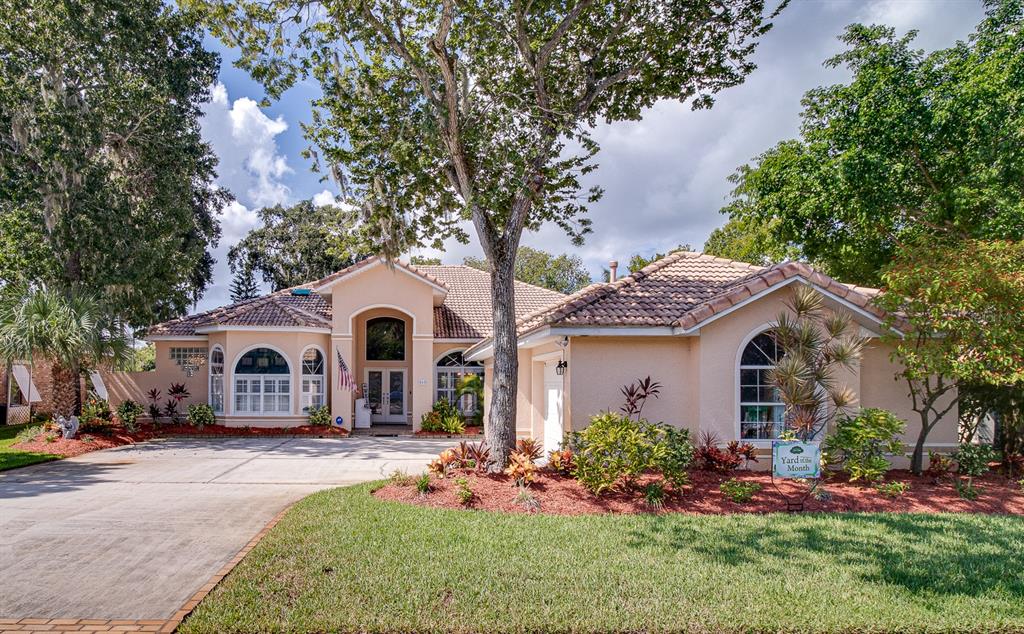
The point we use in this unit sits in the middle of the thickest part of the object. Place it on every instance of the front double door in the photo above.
(385, 394)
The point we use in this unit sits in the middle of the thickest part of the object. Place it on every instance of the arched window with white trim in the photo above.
(262, 382)
(447, 372)
(761, 410)
(217, 380)
(312, 379)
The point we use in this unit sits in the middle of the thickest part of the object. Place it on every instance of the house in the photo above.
(693, 322)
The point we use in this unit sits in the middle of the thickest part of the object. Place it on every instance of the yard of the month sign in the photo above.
(796, 459)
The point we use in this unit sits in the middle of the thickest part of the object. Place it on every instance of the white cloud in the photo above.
(324, 198)
(665, 177)
(244, 139)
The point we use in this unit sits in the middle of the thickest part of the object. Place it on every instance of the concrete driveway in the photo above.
(133, 532)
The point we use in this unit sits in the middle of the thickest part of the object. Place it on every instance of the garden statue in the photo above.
(68, 427)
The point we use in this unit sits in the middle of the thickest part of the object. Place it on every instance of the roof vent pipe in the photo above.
(612, 268)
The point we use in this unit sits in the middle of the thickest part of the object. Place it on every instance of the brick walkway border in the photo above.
(143, 625)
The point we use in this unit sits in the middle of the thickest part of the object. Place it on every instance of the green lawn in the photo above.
(11, 458)
(344, 561)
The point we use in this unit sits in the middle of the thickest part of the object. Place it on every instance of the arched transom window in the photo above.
(761, 411)
(450, 369)
(385, 339)
(217, 380)
(312, 379)
(262, 383)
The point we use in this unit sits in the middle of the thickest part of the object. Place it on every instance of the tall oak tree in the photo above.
(436, 112)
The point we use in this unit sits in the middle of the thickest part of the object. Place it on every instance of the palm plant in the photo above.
(473, 384)
(815, 345)
(70, 330)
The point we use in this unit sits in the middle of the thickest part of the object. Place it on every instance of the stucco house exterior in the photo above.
(693, 322)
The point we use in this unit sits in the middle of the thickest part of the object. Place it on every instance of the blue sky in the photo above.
(665, 177)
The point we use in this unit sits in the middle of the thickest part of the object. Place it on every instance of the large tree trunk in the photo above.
(501, 424)
(64, 389)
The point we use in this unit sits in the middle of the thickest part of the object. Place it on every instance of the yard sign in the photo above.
(796, 459)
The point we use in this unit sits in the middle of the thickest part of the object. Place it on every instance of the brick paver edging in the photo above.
(144, 625)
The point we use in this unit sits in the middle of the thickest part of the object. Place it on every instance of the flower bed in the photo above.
(116, 436)
(562, 495)
(470, 431)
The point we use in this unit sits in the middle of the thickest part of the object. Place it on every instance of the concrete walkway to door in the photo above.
(133, 532)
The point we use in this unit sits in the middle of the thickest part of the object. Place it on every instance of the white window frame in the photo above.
(453, 372)
(263, 381)
(740, 403)
(214, 376)
(310, 398)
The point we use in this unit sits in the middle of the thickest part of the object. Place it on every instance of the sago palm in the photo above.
(815, 344)
(70, 330)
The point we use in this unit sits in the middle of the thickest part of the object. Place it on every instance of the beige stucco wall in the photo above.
(879, 388)
(136, 385)
(601, 366)
(379, 287)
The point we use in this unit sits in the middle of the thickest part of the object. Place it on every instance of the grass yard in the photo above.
(12, 458)
(342, 560)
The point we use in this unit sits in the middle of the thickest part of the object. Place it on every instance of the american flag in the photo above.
(345, 380)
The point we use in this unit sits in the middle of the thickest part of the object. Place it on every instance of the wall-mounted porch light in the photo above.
(563, 364)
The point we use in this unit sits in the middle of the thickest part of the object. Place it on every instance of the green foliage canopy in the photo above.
(300, 244)
(105, 183)
(915, 145)
(563, 273)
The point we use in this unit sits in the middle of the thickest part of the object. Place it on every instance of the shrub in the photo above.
(521, 468)
(560, 461)
(739, 491)
(96, 415)
(472, 455)
(401, 478)
(128, 413)
(654, 495)
(29, 434)
(713, 458)
(972, 460)
(615, 449)
(423, 485)
(443, 417)
(530, 447)
(154, 403)
(200, 415)
(939, 465)
(178, 393)
(859, 443)
(965, 489)
(892, 489)
(746, 451)
(463, 492)
(444, 463)
(320, 416)
(527, 500)
(50, 438)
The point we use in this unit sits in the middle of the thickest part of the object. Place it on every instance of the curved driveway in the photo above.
(133, 532)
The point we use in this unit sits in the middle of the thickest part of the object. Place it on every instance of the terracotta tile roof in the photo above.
(362, 264)
(682, 289)
(465, 313)
(280, 309)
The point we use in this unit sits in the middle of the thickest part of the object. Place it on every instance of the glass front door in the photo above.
(385, 395)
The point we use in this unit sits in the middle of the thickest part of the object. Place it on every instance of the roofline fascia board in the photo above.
(540, 336)
(756, 296)
(615, 331)
(456, 340)
(219, 328)
(176, 338)
(324, 287)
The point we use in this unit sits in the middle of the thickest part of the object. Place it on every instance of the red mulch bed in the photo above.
(562, 495)
(470, 431)
(115, 436)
